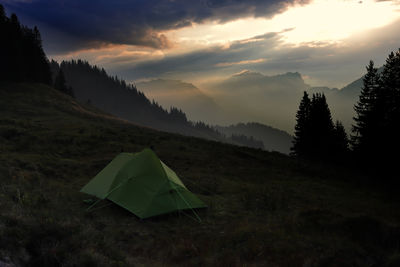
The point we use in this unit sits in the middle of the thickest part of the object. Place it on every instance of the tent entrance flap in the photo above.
(140, 183)
(115, 188)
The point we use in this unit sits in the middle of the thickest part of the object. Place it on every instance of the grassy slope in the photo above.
(264, 208)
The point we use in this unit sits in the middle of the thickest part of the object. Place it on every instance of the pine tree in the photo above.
(21, 52)
(366, 120)
(377, 122)
(340, 142)
(390, 85)
(4, 44)
(316, 137)
(389, 103)
(3, 17)
(14, 56)
(321, 127)
(301, 134)
(60, 84)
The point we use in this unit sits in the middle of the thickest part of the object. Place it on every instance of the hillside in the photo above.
(93, 85)
(273, 139)
(265, 209)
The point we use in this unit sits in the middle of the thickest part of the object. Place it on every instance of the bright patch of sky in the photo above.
(319, 21)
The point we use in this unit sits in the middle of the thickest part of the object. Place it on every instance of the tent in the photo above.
(143, 184)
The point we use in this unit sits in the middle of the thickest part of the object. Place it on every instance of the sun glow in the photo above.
(320, 21)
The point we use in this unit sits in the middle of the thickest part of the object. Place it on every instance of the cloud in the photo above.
(201, 62)
(333, 64)
(242, 62)
(85, 23)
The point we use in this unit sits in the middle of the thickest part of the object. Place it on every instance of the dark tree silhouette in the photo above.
(321, 128)
(2, 14)
(388, 103)
(21, 52)
(340, 148)
(60, 84)
(375, 137)
(301, 140)
(366, 122)
(177, 115)
(316, 137)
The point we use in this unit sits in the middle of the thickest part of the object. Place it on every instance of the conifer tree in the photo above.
(21, 52)
(316, 137)
(2, 14)
(4, 44)
(321, 127)
(301, 135)
(366, 120)
(390, 86)
(60, 84)
(340, 142)
(377, 122)
(388, 101)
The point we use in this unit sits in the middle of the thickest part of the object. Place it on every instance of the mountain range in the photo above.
(251, 96)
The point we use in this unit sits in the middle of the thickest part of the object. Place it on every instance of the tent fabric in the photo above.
(143, 184)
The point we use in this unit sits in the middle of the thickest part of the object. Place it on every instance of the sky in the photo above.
(328, 41)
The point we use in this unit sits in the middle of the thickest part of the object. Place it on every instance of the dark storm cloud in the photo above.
(211, 59)
(135, 22)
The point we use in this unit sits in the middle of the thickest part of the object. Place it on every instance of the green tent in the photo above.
(143, 184)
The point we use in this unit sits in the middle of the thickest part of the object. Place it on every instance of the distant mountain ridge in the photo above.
(252, 96)
(273, 100)
(197, 105)
(255, 80)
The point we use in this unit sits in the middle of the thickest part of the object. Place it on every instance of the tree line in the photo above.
(22, 55)
(316, 136)
(374, 140)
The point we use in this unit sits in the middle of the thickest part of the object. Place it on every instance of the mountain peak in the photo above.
(246, 73)
(161, 84)
(291, 75)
